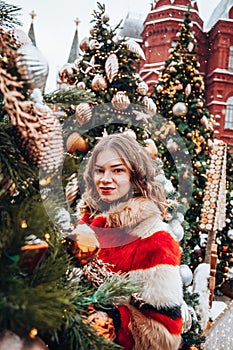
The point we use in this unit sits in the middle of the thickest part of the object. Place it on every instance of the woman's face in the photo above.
(111, 176)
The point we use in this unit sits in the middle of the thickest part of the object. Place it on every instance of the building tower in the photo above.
(31, 32)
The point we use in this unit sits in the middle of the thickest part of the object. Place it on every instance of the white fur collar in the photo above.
(139, 216)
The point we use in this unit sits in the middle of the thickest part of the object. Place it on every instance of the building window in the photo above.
(230, 63)
(229, 114)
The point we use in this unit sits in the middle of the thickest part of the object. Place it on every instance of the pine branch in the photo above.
(72, 96)
(8, 15)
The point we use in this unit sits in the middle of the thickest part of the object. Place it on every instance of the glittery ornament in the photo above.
(82, 244)
(111, 67)
(120, 101)
(84, 44)
(102, 324)
(188, 90)
(32, 66)
(75, 142)
(99, 83)
(83, 113)
(67, 74)
(135, 48)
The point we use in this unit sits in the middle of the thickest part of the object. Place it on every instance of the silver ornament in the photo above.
(32, 66)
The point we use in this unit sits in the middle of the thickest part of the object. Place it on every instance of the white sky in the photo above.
(54, 24)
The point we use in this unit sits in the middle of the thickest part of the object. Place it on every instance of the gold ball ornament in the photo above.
(120, 101)
(180, 109)
(83, 113)
(84, 45)
(75, 142)
(66, 74)
(82, 244)
(99, 83)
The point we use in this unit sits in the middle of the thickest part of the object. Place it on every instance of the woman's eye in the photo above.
(98, 171)
(118, 170)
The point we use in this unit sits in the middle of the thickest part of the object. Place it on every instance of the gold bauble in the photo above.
(75, 142)
(82, 244)
(102, 324)
(66, 74)
(120, 101)
(99, 83)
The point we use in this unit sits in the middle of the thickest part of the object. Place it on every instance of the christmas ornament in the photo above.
(62, 219)
(190, 46)
(159, 88)
(94, 44)
(188, 90)
(84, 44)
(75, 142)
(142, 88)
(130, 133)
(83, 113)
(91, 66)
(99, 83)
(150, 106)
(180, 109)
(186, 318)
(72, 189)
(230, 234)
(81, 85)
(32, 66)
(32, 255)
(21, 37)
(176, 229)
(111, 67)
(82, 244)
(135, 48)
(172, 146)
(120, 101)
(102, 324)
(105, 18)
(186, 275)
(67, 74)
(151, 148)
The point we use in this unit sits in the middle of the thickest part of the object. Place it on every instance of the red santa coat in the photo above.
(134, 239)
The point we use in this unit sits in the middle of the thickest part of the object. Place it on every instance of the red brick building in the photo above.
(214, 48)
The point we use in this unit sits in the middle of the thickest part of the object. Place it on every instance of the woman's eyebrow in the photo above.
(112, 166)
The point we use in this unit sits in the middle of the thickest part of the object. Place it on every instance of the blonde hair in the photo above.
(141, 168)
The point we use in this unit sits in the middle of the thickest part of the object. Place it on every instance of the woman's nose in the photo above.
(106, 176)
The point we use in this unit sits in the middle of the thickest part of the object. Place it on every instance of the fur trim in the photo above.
(167, 279)
(139, 216)
(150, 334)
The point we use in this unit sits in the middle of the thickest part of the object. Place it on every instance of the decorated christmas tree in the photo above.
(179, 95)
(107, 69)
(51, 280)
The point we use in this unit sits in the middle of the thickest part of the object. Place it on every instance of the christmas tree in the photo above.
(122, 103)
(179, 95)
(51, 280)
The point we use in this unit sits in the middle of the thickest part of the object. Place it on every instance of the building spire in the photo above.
(31, 33)
(74, 51)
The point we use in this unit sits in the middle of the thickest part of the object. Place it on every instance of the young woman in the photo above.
(125, 207)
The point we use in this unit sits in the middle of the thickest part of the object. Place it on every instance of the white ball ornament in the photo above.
(186, 275)
(180, 109)
(142, 88)
(230, 234)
